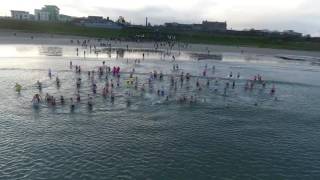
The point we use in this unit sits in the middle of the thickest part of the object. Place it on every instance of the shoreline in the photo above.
(7, 37)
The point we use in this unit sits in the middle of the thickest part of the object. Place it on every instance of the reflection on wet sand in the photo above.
(50, 51)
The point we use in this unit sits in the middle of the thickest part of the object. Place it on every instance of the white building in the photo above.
(40, 15)
(20, 15)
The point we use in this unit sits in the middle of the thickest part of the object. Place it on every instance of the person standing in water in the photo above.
(273, 90)
(204, 73)
(225, 91)
(90, 102)
(78, 98)
(49, 73)
(72, 106)
(53, 101)
(39, 85)
(58, 81)
(36, 98)
(18, 87)
(62, 100)
(112, 98)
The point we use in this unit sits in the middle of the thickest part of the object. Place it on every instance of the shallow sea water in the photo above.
(219, 137)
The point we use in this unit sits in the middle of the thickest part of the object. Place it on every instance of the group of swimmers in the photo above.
(52, 101)
(108, 88)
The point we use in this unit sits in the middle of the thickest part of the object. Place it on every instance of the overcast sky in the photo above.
(298, 15)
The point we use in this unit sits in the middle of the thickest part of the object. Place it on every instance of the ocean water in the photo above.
(241, 135)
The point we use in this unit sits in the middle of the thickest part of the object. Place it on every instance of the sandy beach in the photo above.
(8, 37)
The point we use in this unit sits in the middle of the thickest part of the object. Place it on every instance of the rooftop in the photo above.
(19, 11)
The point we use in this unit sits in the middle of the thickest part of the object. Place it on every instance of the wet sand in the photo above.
(8, 37)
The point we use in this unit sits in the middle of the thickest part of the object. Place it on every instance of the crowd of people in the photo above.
(156, 82)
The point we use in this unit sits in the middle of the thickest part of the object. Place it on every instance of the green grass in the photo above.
(252, 41)
(189, 37)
